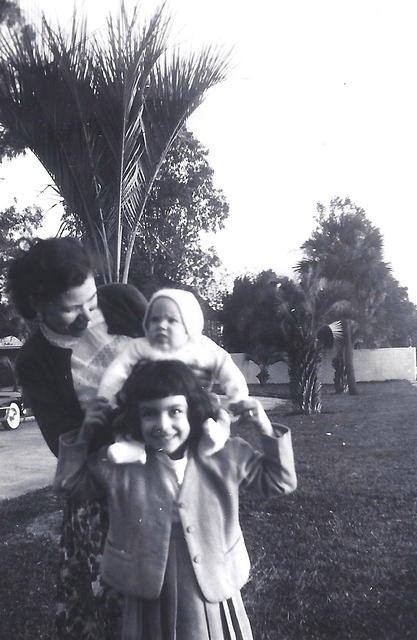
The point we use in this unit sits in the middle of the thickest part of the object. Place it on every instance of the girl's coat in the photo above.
(144, 497)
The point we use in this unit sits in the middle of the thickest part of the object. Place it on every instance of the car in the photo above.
(11, 409)
(11, 401)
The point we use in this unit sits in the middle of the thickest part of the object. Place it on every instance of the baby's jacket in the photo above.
(209, 362)
(142, 499)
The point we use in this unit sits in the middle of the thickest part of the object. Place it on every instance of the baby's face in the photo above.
(164, 328)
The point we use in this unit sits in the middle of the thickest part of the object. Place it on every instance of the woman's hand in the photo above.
(97, 414)
(251, 411)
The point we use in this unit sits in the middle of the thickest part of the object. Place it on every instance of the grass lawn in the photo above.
(335, 560)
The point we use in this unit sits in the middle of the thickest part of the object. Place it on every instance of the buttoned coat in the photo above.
(142, 499)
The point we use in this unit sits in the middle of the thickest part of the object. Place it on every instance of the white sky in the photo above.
(321, 102)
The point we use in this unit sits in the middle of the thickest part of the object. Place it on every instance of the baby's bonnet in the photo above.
(188, 306)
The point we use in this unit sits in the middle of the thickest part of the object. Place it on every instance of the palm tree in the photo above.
(346, 246)
(308, 313)
(100, 114)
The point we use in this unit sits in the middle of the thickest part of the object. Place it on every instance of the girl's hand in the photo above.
(251, 411)
(97, 414)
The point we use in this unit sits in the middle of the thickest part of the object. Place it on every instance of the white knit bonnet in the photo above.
(188, 306)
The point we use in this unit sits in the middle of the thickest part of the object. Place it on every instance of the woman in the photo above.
(80, 330)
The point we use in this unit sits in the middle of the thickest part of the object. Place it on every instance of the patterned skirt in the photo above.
(87, 609)
(181, 612)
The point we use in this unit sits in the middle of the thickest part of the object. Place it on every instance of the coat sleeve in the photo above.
(229, 376)
(119, 370)
(270, 472)
(79, 474)
(41, 393)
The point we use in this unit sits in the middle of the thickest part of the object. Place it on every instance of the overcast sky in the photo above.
(321, 102)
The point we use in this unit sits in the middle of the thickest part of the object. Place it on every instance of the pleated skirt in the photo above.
(181, 612)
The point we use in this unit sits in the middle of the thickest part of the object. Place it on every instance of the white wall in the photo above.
(370, 365)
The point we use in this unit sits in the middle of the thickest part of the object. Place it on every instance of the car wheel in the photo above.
(13, 415)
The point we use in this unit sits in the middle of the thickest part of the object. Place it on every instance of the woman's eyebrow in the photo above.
(80, 304)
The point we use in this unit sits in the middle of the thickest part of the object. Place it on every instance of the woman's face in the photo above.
(70, 312)
(164, 423)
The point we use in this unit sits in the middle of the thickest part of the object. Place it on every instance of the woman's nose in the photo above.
(86, 312)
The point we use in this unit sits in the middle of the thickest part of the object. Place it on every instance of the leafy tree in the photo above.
(182, 204)
(101, 114)
(11, 19)
(249, 320)
(16, 229)
(397, 323)
(346, 246)
(11, 15)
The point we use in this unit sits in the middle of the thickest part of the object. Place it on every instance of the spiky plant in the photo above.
(305, 311)
(100, 114)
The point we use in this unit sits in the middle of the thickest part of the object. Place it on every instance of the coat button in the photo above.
(190, 528)
(198, 558)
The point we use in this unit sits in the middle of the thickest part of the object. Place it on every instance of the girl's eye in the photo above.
(146, 413)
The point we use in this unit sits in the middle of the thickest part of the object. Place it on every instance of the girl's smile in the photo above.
(164, 423)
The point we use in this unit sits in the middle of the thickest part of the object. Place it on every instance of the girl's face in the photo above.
(164, 423)
(70, 312)
(164, 327)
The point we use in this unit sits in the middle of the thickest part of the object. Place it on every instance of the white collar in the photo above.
(68, 342)
(213, 440)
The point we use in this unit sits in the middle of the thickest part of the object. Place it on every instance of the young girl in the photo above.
(175, 548)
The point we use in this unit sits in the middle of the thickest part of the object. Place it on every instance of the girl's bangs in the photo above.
(159, 380)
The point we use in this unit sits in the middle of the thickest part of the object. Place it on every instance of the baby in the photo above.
(173, 325)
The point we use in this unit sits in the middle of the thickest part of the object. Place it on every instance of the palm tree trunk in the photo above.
(350, 373)
(340, 377)
(303, 371)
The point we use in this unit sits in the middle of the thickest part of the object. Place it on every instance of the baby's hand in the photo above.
(251, 411)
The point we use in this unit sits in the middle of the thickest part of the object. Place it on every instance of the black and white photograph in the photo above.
(208, 320)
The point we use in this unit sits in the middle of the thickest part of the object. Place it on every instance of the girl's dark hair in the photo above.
(159, 379)
(48, 268)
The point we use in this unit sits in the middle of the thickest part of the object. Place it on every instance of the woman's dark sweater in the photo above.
(44, 370)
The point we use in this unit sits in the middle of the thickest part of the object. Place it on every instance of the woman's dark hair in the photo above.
(159, 379)
(44, 271)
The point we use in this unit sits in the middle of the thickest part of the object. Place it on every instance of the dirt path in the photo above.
(26, 463)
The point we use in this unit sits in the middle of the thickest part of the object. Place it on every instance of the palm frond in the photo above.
(337, 331)
(100, 114)
(177, 87)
